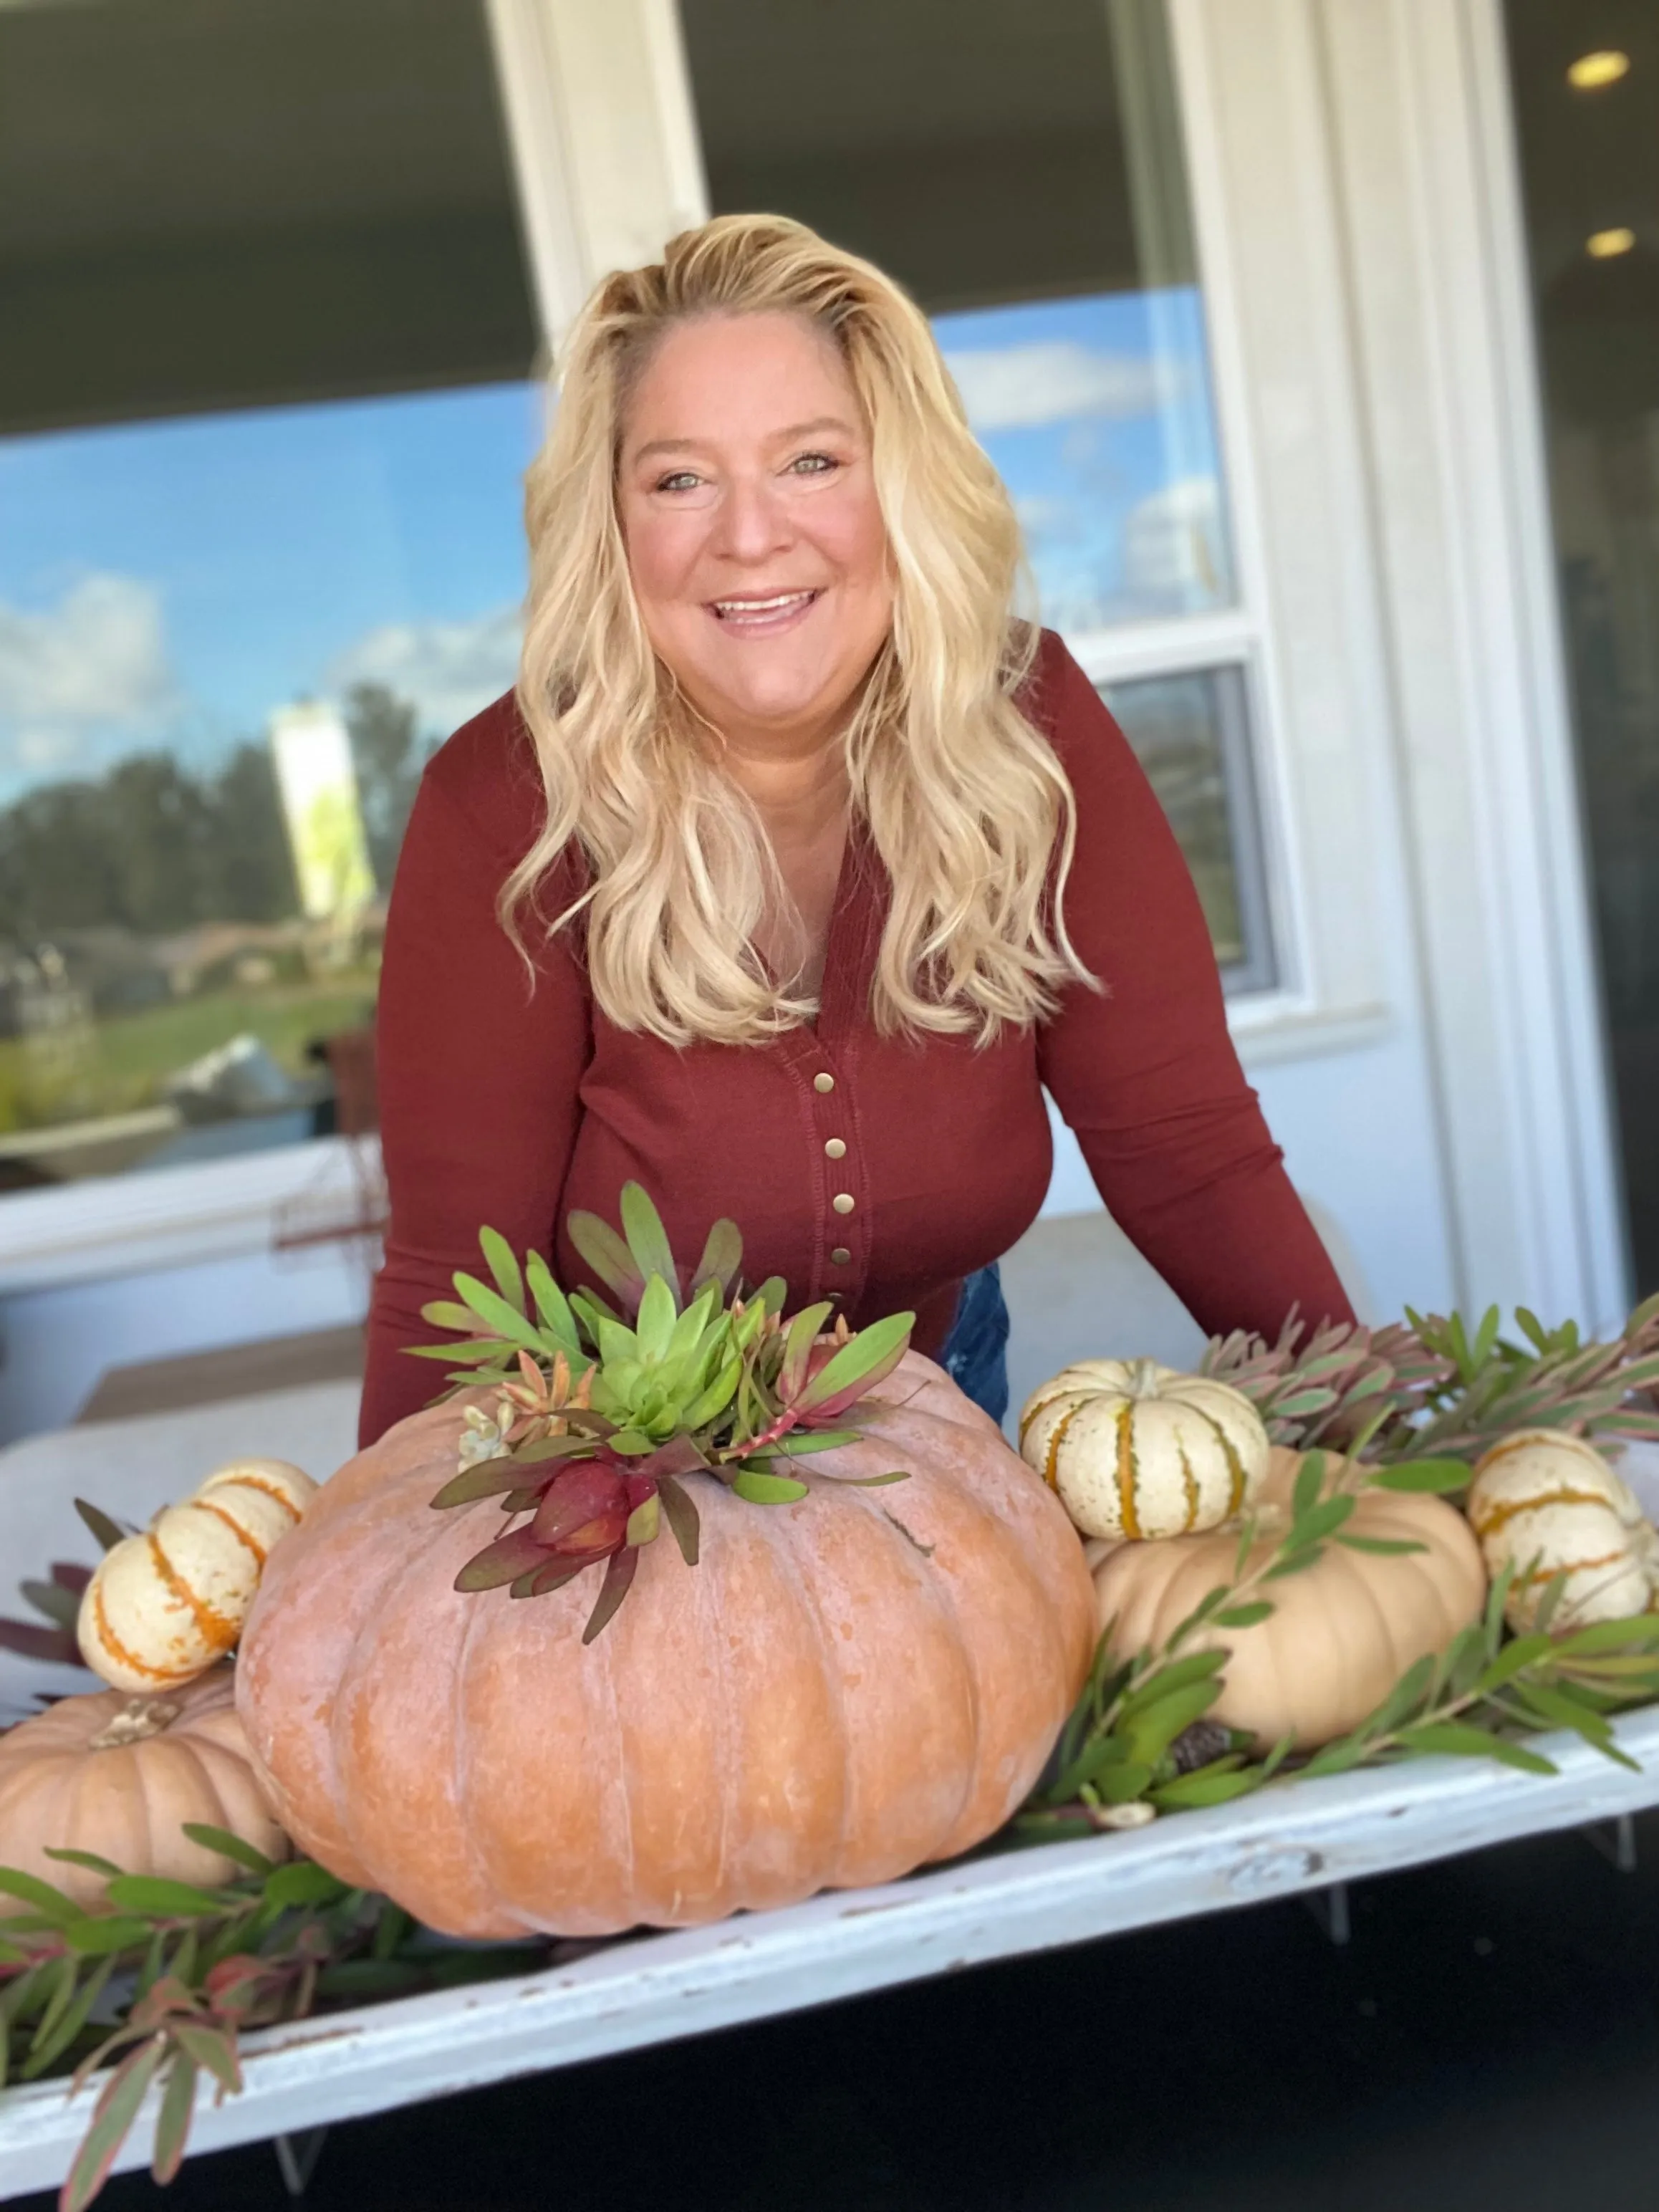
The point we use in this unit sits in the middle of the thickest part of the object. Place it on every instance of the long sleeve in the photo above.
(1144, 1071)
(479, 1082)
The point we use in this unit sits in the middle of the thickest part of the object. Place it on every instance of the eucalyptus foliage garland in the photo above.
(167, 1976)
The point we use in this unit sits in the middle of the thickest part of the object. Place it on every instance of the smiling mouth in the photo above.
(757, 613)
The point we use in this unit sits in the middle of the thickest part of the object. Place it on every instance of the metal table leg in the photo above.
(1616, 1841)
(1329, 1907)
(297, 2155)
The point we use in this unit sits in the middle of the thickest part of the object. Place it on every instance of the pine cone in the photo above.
(1200, 1743)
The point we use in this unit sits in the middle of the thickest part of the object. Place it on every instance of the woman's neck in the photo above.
(798, 790)
(801, 794)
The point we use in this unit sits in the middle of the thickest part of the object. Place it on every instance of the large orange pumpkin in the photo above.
(842, 1689)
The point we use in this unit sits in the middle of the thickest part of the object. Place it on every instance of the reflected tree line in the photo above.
(152, 847)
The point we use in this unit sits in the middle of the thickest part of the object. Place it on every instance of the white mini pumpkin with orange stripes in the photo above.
(1136, 1450)
(1548, 1504)
(164, 1605)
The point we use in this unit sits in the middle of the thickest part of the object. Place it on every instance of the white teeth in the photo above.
(741, 607)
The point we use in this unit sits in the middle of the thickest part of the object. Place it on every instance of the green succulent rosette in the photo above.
(603, 1405)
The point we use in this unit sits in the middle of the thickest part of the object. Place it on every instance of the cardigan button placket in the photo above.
(843, 1203)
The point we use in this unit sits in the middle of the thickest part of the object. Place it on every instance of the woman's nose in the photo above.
(753, 522)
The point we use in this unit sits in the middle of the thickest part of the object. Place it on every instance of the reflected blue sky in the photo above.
(1097, 412)
(169, 583)
(172, 582)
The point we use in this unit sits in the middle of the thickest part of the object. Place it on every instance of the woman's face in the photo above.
(757, 548)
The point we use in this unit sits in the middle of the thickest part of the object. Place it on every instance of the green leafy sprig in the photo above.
(604, 1409)
(168, 1976)
(1486, 1691)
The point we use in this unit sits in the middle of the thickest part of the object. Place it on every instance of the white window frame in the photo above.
(1359, 207)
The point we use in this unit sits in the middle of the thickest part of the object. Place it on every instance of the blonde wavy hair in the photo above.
(964, 799)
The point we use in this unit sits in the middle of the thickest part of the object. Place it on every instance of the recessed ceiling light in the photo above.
(1605, 244)
(1591, 71)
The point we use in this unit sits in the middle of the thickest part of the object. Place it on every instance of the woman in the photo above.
(796, 868)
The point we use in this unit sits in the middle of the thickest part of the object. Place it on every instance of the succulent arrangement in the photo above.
(50, 1639)
(601, 1410)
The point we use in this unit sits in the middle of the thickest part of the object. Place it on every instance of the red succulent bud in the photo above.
(585, 1510)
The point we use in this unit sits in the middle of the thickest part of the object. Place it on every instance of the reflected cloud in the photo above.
(1020, 387)
(447, 669)
(79, 679)
(1096, 412)
(1173, 543)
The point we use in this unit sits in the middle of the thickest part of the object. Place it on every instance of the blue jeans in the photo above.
(975, 1354)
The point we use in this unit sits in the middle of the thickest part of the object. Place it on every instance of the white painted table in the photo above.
(1295, 1837)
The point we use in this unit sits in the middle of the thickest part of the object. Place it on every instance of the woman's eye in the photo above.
(680, 480)
(813, 464)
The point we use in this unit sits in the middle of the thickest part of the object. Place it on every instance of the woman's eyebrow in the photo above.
(779, 437)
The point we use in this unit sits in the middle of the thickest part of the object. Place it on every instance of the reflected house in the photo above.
(51, 1018)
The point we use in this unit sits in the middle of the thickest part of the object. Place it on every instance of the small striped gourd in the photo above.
(1135, 1449)
(1548, 1504)
(164, 1605)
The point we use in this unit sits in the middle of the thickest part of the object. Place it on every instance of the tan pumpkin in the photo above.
(119, 1776)
(164, 1605)
(1548, 1504)
(1342, 1631)
(841, 1688)
(1136, 1450)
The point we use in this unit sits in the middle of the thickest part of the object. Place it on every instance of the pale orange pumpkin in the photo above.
(119, 1776)
(841, 1688)
(1342, 1631)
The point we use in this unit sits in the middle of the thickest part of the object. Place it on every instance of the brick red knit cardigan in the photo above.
(872, 1171)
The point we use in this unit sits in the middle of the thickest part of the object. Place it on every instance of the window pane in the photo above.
(1020, 170)
(1191, 734)
(229, 640)
(1586, 82)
